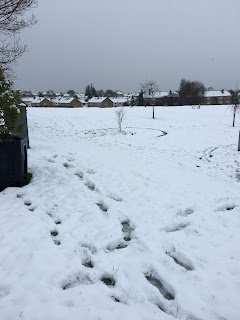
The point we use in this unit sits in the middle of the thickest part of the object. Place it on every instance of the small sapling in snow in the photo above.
(120, 114)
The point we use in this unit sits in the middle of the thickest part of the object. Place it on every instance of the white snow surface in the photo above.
(97, 99)
(174, 198)
(217, 93)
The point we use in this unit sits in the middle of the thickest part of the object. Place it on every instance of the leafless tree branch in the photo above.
(12, 21)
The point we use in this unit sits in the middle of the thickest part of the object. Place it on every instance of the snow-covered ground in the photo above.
(141, 225)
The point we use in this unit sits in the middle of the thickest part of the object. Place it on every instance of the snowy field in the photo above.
(141, 225)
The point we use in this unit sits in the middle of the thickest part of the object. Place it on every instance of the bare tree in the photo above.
(12, 21)
(120, 114)
(71, 92)
(149, 88)
(235, 100)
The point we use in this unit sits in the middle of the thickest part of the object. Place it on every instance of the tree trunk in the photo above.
(234, 113)
(239, 142)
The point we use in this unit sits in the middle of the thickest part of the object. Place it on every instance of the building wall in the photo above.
(94, 104)
(75, 103)
(217, 100)
(107, 103)
(44, 103)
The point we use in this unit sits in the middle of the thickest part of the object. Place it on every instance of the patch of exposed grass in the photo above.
(109, 281)
(26, 179)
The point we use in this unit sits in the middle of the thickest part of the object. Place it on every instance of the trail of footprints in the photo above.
(127, 230)
(90, 185)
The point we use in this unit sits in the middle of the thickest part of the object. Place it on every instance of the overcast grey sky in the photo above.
(118, 44)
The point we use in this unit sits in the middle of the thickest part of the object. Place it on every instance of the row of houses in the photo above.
(63, 102)
(213, 97)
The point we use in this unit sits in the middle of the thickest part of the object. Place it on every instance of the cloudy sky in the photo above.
(119, 44)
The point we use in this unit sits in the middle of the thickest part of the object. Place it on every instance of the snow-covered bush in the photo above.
(9, 111)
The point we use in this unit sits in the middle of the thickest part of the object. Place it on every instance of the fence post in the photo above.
(22, 120)
(239, 142)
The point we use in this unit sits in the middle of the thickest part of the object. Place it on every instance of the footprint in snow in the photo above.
(54, 233)
(4, 291)
(127, 236)
(90, 185)
(116, 299)
(79, 174)
(19, 195)
(177, 227)
(89, 247)
(116, 245)
(162, 308)
(226, 207)
(67, 165)
(49, 213)
(102, 206)
(76, 280)
(90, 171)
(58, 221)
(28, 203)
(51, 161)
(108, 281)
(31, 208)
(166, 291)
(127, 230)
(57, 242)
(87, 263)
(115, 197)
(237, 175)
(181, 260)
(185, 212)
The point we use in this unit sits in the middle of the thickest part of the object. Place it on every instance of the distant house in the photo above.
(158, 98)
(27, 101)
(100, 102)
(66, 102)
(119, 102)
(41, 102)
(162, 98)
(217, 97)
(119, 94)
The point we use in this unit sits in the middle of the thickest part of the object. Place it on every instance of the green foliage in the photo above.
(140, 99)
(133, 101)
(110, 93)
(9, 111)
(90, 91)
(191, 92)
(71, 92)
(109, 281)
(27, 179)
